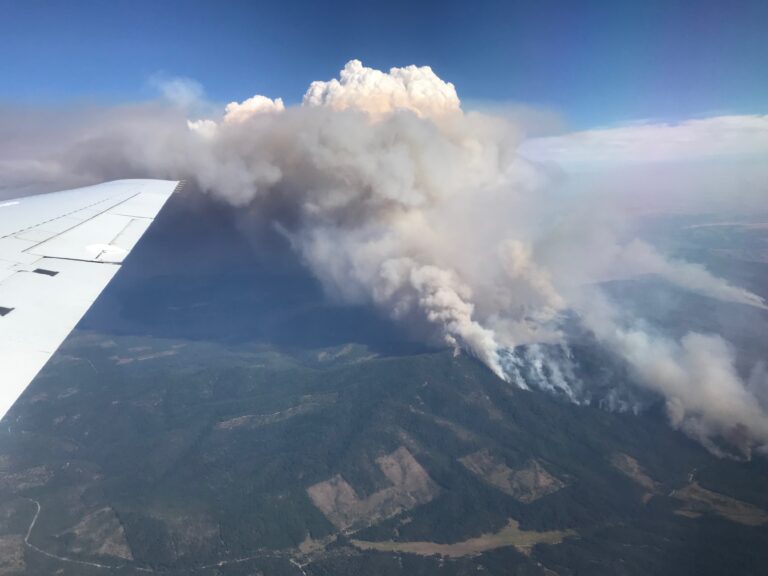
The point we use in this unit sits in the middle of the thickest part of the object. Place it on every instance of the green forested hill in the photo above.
(151, 455)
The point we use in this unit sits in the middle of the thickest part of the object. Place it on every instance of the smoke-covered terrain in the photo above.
(453, 223)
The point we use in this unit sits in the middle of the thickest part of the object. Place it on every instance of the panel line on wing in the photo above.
(86, 261)
(67, 214)
(61, 233)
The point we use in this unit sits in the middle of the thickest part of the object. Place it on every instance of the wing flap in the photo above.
(91, 240)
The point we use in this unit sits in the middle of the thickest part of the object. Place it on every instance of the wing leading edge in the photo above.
(57, 253)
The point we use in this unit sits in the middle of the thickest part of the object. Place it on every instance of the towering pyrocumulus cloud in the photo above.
(377, 93)
(393, 195)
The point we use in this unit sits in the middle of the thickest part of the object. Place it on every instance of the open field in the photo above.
(698, 501)
(510, 535)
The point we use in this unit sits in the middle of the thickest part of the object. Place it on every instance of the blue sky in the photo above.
(596, 62)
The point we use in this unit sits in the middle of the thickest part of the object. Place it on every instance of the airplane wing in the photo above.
(57, 253)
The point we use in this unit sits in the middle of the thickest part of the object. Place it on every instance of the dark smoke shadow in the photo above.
(200, 274)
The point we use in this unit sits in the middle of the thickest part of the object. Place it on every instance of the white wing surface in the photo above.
(57, 253)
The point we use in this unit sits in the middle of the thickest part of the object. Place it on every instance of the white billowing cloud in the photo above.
(242, 111)
(378, 93)
(238, 113)
(718, 137)
(435, 217)
(204, 127)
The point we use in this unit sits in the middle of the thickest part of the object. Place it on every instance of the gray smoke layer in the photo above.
(394, 196)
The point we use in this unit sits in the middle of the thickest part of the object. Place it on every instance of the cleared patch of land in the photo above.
(459, 431)
(698, 501)
(351, 352)
(524, 484)
(11, 554)
(99, 533)
(121, 361)
(633, 470)
(510, 535)
(411, 486)
(25, 479)
(308, 404)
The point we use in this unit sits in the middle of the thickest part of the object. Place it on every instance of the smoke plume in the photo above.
(394, 196)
